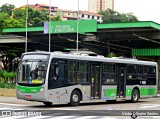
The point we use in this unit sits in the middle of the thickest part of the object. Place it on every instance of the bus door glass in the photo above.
(95, 81)
(121, 79)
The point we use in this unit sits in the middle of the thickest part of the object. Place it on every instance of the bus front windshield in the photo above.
(32, 72)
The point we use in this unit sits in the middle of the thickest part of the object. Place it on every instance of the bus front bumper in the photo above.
(39, 96)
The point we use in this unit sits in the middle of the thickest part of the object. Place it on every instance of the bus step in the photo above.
(120, 96)
(121, 99)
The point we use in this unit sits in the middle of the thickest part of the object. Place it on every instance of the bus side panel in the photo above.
(62, 95)
(129, 90)
(109, 92)
(86, 96)
(53, 96)
(145, 91)
(148, 91)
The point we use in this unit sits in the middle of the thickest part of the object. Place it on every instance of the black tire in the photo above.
(47, 103)
(135, 96)
(75, 98)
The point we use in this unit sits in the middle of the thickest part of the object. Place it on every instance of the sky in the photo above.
(145, 10)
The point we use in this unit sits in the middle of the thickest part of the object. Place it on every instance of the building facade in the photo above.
(90, 15)
(73, 15)
(98, 5)
(66, 14)
(38, 7)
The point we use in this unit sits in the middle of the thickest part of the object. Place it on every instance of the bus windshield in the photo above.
(32, 72)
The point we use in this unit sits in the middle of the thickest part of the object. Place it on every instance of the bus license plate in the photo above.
(28, 96)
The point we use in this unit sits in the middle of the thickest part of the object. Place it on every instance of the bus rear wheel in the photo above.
(47, 103)
(135, 96)
(75, 98)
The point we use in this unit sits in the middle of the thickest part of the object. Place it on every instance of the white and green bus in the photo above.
(59, 78)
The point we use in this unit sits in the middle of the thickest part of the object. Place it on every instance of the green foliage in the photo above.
(56, 18)
(110, 16)
(7, 79)
(10, 86)
(11, 76)
(35, 17)
(3, 17)
(19, 14)
(12, 23)
(7, 8)
(110, 55)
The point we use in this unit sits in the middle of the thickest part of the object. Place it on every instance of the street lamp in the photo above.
(77, 25)
(26, 26)
(49, 26)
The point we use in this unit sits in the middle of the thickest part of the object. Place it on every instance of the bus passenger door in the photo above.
(95, 81)
(121, 80)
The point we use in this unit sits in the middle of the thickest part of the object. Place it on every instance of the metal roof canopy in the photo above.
(119, 38)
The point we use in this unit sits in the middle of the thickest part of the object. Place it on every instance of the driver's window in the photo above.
(57, 74)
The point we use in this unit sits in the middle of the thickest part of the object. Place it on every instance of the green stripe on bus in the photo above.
(111, 93)
(27, 89)
(147, 91)
(143, 91)
(128, 91)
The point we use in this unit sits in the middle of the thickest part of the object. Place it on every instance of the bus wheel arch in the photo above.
(135, 95)
(76, 97)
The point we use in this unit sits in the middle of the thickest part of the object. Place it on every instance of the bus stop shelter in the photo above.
(123, 39)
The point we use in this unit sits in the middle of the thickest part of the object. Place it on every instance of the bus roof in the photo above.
(98, 58)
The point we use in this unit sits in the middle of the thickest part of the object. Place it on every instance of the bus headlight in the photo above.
(42, 89)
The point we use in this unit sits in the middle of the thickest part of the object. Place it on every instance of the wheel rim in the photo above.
(135, 96)
(75, 98)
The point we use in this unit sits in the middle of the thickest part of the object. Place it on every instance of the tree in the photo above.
(35, 17)
(3, 17)
(12, 23)
(56, 18)
(7, 8)
(111, 16)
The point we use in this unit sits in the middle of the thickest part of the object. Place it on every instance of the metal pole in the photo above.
(77, 25)
(108, 47)
(49, 25)
(26, 26)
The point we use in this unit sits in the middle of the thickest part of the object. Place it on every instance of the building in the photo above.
(90, 15)
(39, 7)
(98, 5)
(66, 14)
(73, 15)
(46, 7)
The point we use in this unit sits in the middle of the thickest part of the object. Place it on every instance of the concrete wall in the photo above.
(7, 92)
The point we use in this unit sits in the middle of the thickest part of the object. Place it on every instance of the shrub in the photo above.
(7, 79)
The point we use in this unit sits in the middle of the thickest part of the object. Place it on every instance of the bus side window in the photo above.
(72, 71)
(151, 75)
(132, 75)
(109, 73)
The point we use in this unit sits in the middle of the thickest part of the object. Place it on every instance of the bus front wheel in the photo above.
(47, 103)
(135, 95)
(75, 98)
